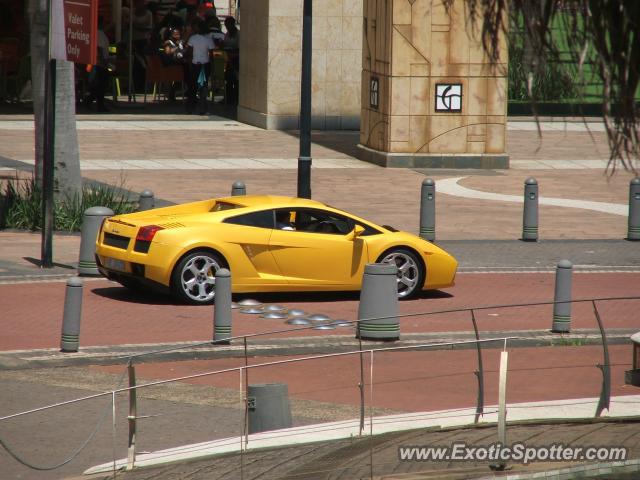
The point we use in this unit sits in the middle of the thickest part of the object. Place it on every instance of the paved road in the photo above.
(514, 255)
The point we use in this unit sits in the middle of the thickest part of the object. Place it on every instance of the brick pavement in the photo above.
(114, 316)
(217, 140)
(417, 381)
(391, 196)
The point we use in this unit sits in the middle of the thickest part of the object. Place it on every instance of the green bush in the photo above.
(21, 205)
(552, 84)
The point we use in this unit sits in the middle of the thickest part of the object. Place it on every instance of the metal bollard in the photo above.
(633, 233)
(222, 308)
(146, 201)
(530, 212)
(91, 222)
(428, 210)
(238, 188)
(268, 406)
(379, 299)
(70, 337)
(562, 311)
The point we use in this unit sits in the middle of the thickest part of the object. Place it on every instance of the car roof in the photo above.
(273, 201)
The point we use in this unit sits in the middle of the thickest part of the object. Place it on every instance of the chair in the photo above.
(121, 75)
(159, 74)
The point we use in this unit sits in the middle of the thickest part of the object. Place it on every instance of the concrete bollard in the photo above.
(379, 299)
(91, 222)
(562, 311)
(632, 377)
(238, 188)
(70, 337)
(268, 406)
(428, 210)
(146, 201)
(222, 309)
(530, 211)
(633, 233)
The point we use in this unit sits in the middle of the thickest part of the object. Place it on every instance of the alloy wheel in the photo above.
(408, 271)
(198, 278)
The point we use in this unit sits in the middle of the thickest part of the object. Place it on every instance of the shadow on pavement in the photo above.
(147, 297)
(37, 262)
(123, 294)
(342, 141)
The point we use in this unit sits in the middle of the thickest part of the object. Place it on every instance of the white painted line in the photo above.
(449, 186)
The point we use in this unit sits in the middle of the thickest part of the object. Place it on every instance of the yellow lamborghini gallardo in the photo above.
(269, 243)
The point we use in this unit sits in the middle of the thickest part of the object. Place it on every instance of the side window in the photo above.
(263, 219)
(319, 221)
(368, 230)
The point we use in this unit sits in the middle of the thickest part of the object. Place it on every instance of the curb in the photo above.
(166, 352)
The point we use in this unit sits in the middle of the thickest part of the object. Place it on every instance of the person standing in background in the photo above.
(99, 74)
(231, 45)
(142, 28)
(201, 45)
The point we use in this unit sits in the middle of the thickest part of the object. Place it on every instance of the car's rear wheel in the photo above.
(410, 270)
(194, 277)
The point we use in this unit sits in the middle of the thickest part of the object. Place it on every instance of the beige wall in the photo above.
(410, 46)
(270, 61)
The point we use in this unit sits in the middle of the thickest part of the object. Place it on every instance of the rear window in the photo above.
(221, 206)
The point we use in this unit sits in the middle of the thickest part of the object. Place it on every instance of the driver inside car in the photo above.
(283, 220)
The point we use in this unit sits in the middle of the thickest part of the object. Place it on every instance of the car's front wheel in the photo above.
(410, 271)
(194, 277)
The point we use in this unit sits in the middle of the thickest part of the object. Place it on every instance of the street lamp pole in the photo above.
(304, 159)
(46, 246)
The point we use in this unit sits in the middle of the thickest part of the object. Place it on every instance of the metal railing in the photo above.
(243, 373)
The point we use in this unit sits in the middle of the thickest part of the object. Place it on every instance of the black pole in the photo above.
(47, 165)
(304, 159)
(46, 250)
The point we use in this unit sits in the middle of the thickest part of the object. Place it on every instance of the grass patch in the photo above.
(568, 342)
(21, 205)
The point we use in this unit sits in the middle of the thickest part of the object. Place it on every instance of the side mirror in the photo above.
(355, 233)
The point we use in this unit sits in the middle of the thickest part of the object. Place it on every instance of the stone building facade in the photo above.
(270, 63)
(411, 74)
(430, 95)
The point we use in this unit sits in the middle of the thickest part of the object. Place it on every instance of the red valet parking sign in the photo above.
(74, 30)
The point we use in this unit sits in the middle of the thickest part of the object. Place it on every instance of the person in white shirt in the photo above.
(201, 45)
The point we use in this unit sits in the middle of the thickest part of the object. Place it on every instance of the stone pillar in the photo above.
(430, 96)
(270, 61)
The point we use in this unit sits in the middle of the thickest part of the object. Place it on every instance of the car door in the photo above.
(314, 248)
(253, 263)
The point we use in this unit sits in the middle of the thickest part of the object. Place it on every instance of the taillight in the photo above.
(147, 233)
